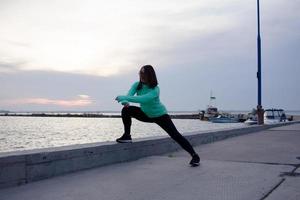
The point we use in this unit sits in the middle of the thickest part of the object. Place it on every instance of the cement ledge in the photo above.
(17, 168)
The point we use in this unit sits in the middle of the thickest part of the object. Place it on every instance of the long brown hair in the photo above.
(149, 75)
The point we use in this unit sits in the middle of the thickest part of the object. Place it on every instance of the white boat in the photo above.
(273, 116)
(250, 121)
(211, 111)
(252, 117)
(224, 119)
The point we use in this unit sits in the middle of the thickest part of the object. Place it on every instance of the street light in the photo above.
(260, 111)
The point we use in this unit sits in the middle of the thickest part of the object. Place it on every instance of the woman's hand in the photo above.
(120, 98)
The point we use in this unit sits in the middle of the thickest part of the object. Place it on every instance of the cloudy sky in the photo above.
(79, 54)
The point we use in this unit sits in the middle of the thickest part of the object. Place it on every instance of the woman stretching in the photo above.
(151, 110)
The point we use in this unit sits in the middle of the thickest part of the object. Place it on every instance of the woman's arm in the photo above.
(141, 98)
(132, 90)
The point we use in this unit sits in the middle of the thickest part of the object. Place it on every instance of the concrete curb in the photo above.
(17, 168)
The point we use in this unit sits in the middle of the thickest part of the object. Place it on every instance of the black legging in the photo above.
(163, 121)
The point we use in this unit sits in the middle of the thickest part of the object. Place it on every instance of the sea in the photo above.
(28, 133)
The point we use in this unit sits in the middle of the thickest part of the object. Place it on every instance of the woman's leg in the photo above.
(166, 123)
(135, 112)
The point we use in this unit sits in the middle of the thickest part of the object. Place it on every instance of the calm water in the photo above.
(20, 133)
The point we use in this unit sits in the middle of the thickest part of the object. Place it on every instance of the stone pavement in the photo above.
(262, 165)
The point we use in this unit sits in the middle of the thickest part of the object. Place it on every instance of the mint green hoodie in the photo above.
(147, 97)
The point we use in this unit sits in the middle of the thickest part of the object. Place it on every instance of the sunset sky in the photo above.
(80, 54)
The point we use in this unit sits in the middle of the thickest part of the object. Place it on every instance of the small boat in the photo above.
(273, 116)
(250, 121)
(252, 117)
(224, 119)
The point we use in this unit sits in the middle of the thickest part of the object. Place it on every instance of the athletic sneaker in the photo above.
(195, 160)
(124, 139)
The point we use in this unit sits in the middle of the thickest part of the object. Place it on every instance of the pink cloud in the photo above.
(80, 101)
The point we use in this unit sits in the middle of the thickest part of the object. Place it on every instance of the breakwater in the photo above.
(23, 167)
(90, 115)
(242, 117)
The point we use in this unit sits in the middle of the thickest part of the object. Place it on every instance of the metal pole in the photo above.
(259, 105)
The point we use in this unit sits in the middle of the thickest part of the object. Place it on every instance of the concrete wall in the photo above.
(17, 168)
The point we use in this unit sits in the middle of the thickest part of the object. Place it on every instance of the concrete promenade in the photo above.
(261, 165)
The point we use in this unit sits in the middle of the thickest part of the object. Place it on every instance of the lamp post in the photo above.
(260, 111)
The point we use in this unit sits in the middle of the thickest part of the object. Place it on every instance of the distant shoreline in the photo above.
(101, 115)
(89, 115)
